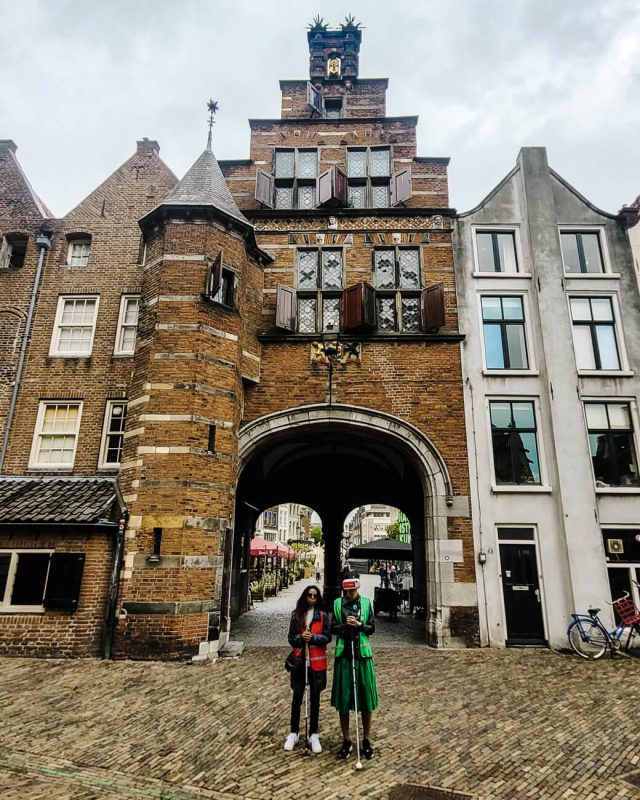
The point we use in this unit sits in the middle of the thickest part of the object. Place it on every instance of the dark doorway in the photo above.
(521, 590)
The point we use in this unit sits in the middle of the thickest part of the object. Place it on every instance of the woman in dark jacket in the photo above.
(308, 635)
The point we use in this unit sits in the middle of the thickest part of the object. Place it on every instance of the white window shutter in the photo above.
(401, 186)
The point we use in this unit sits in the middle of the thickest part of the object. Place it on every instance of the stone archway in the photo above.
(395, 459)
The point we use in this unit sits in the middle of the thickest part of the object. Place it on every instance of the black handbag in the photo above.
(293, 662)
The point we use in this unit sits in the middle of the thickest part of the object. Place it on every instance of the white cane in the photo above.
(355, 698)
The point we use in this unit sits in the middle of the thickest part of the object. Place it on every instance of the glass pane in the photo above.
(5, 561)
(525, 458)
(284, 196)
(625, 458)
(357, 163)
(307, 163)
(583, 345)
(523, 415)
(607, 347)
(409, 269)
(330, 313)
(507, 252)
(596, 416)
(380, 196)
(410, 314)
(601, 309)
(30, 579)
(494, 356)
(284, 163)
(601, 459)
(619, 416)
(306, 196)
(502, 456)
(386, 313)
(517, 347)
(592, 255)
(307, 315)
(332, 269)
(500, 414)
(358, 196)
(384, 266)
(512, 308)
(486, 262)
(131, 311)
(491, 308)
(580, 309)
(570, 252)
(307, 269)
(379, 163)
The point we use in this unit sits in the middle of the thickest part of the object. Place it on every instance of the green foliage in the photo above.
(316, 534)
(393, 530)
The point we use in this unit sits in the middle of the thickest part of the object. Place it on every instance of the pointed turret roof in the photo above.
(204, 185)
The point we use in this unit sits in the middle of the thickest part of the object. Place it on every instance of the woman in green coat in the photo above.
(352, 624)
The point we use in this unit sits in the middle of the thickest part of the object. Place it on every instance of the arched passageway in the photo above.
(333, 459)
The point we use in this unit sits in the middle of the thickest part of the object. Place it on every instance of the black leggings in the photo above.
(314, 704)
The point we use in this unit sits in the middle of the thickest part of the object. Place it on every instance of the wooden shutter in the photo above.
(214, 276)
(401, 186)
(286, 308)
(314, 98)
(433, 307)
(5, 253)
(331, 188)
(64, 581)
(358, 304)
(265, 191)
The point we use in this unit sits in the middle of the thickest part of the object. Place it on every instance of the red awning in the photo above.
(261, 547)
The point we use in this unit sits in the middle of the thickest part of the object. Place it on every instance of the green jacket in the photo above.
(365, 647)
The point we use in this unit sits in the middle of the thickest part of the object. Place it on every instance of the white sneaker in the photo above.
(291, 741)
(314, 741)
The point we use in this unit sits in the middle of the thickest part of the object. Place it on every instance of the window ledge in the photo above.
(516, 373)
(120, 356)
(617, 489)
(511, 489)
(481, 274)
(22, 609)
(34, 468)
(74, 356)
(606, 373)
(598, 276)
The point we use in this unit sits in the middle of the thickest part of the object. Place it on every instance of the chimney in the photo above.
(148, 146)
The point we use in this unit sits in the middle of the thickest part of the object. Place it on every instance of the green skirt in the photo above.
(342, 689)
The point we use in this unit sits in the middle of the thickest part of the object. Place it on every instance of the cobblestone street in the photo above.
(492, 723)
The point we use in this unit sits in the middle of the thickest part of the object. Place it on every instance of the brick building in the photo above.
(182, 372)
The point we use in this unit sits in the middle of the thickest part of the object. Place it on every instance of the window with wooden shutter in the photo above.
(64, 581)
(319, 282)
(401, 186)
(397, 279)
(433, 314)
(285, 307)
(368, 177)
(331, 188)
(214, 276)
(265, 188)
(295, 173)
(314, 98)
(358, 303)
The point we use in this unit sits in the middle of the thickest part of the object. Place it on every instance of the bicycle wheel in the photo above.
(588, 638)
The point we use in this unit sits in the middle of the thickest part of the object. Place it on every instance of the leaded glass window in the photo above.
(356, 163)
(358, 196)
(332, 269)
(306, 196)
(307, 314)
(379, 162)
(295, 173)
(307, 163)
(410, 314)
(397, 282)
(331, 314)
(307, 269)
(409, 269)
(380, 195)
(284, 166)
(319, 287)
(386, 313)
(369, 176)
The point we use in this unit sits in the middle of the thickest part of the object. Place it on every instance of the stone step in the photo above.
(231, 650)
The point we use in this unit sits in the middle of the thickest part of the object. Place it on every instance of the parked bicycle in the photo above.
(590, 639)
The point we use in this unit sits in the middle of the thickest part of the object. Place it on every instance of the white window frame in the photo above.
(499, 488)
(108, 412)
(607, 272)
(54, 349)
(83, 258)
(635, 423)
(528, 332)
(5, 606)
(34, 463)
(624, 369)
(522, 272)
(118, 349)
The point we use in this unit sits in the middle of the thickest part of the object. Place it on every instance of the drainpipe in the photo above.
(43, 240)
(110, 616)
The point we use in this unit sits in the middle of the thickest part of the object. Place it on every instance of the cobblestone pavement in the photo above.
(493, 723)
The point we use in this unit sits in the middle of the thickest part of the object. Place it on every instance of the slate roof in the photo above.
(204, 185)
(57, 500)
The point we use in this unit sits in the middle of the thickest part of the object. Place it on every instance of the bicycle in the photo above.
(590, 639)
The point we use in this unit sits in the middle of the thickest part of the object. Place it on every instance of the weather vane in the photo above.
(212, 107)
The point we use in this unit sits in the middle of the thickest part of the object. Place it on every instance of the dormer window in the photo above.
(78, 251)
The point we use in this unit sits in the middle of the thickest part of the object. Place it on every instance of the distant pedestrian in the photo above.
(353, 623)
(382, 572)
(308, 636)
(393, 574)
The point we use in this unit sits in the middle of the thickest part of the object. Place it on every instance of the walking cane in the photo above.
(355, 698)
(306, 699)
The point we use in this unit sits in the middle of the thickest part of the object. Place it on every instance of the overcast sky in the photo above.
(81, 81)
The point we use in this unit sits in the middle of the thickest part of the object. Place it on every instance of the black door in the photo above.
(521, 590)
